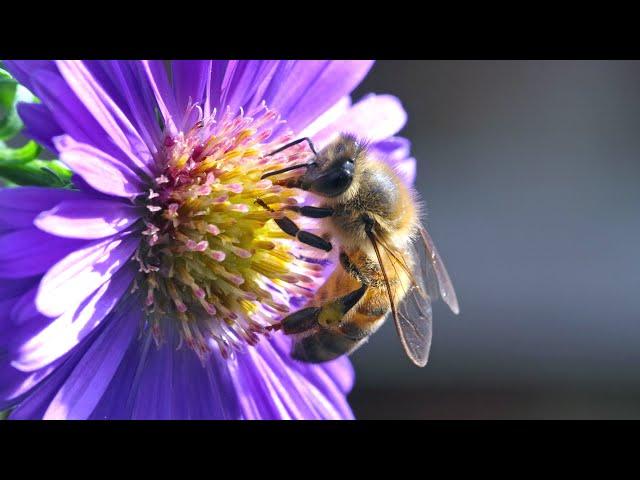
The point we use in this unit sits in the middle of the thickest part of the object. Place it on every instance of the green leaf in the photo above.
(11, 93)
(41, 173)
(20, 166)
(13, 156)
(8, 88)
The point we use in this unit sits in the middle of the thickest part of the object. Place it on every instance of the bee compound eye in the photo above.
(334, 182)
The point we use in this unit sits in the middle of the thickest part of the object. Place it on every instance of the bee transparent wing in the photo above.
(414, 322)
(435, 274)
(412, 318)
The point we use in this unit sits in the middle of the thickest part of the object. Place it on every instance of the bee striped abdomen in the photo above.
(367, 309)
(358, 323)
(323, 346)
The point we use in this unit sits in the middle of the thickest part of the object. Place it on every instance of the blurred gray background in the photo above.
(531, 175)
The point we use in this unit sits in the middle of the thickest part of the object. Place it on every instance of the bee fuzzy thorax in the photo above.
(376, 191)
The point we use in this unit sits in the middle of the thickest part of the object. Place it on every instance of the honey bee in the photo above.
(375, 219)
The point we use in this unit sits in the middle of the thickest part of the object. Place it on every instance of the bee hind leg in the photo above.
(300, 321)
(328, 342)
(326, 316)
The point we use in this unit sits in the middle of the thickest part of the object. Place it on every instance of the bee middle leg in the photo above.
(311, 212)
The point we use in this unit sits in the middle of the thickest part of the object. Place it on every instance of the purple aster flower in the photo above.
(146, 291)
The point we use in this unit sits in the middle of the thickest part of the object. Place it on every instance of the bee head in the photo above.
(332, 172)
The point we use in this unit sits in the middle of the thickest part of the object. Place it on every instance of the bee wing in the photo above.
(413, 318)
(435, 274)
(414, 323)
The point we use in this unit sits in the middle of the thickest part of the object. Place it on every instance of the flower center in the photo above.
(213, 261)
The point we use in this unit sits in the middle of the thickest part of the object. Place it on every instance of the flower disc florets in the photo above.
(213, 261)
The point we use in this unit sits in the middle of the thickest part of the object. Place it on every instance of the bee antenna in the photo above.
(293, 167)
(295, 142)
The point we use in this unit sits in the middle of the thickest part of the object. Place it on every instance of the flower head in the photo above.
(148, 289)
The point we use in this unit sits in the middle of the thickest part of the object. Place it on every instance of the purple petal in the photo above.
(373, 118)
(271, 385)
(41, 342)
(102, 171)
(33, 391)
(189, 81)
(116, 401)
(43, 390)
(15, 384)
(333, 379)
(336, 377)
(22, 70)
(259, 400)
(23, 311)
(11, 292)
(45, 382)
(81, 272)
(153, 388)
(36, 199)
(325, 120)
(213, 89)
(39, 124)
(14, 288)
(89, 379)
(88, 219)
(28, 252)
(101, 73)
(129, 79)
(263, 83)
(19, 206)
(166, 383)
(5, 317)
(300, 90)
(394, 149)
(245, 82)
(303, 90)
(156, 75)
(107, 113)
(72, 116)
